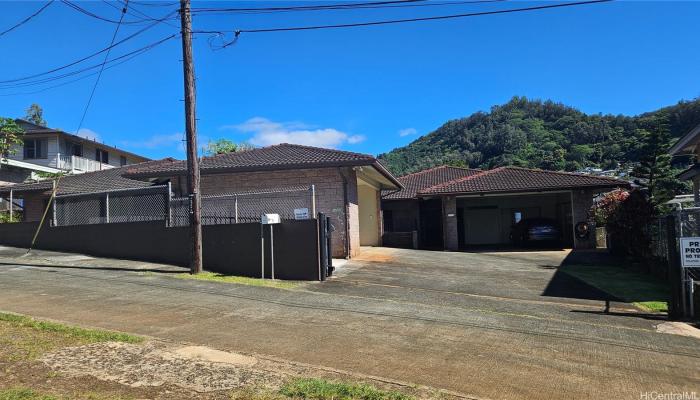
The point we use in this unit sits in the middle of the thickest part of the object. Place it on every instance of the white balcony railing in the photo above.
(78, 165)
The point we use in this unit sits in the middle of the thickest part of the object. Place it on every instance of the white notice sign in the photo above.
(301, 213)
(690, 252)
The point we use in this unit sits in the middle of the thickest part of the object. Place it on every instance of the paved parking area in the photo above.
(481, 324)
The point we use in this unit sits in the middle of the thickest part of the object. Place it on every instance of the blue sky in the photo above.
(364, 89)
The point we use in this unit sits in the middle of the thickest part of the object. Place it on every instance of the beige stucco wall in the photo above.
(368, 209)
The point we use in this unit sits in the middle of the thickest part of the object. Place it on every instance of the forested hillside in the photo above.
(539, 134)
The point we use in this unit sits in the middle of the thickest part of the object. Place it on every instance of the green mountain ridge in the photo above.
(539, 134)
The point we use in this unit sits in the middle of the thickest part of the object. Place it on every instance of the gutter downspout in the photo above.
(347, 213)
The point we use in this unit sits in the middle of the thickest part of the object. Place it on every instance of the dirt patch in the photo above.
(678, 328)
(158, 365)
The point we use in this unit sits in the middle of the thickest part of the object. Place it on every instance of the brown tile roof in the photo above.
(418, 181)
(98, 181)
(515, 179)
(277, 157)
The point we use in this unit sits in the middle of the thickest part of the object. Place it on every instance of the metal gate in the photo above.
(325, 231)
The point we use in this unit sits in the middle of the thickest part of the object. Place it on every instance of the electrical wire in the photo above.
(422, 3)
(130, 57)
(133, 35)
(406, 20)
(102, 67)
(24, 21)
(93, 15)
(73, 73)
(314, 7)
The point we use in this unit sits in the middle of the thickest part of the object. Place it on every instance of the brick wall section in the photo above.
(582, 203)
(329, 194)
(449, 214)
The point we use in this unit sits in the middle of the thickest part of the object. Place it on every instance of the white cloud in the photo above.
(407, 132)
(266, 132)
(88, 134)
(156, 141)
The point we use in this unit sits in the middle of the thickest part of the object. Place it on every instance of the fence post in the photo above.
(313, 201)
(54, 219)
(107, 207)
(168, 205)
(235, 206)
(11, 202)
(675, 277)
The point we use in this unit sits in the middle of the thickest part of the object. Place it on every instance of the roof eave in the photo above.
(685, 142)
(553, 189)
(224, 170)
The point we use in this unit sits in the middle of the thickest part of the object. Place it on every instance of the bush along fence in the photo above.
(658, 243)
(143, 224)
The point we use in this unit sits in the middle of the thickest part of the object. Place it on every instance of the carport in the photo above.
(479, 207)
(487, 219)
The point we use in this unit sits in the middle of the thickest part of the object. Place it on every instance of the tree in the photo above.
(223, 146)
(35, 115)
(654, 162)
(10, 136)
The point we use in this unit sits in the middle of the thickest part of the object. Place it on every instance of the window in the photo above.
(122, 161)
(102, 156)
(74, 149)
(35, 148)
(517, 216)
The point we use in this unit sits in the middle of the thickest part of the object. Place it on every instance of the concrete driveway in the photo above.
(473, 323)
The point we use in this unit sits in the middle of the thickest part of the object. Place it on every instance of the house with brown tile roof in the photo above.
(454, 208)
(348, 185)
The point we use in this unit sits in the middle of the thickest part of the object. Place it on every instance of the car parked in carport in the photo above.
(542, 231)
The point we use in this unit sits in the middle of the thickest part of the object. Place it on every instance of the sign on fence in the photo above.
(690, 252)
(301, 213)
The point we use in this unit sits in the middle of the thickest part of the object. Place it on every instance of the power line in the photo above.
(102, 67)
(355, 6)
(93, 15)
(77, 72)
(24, 21)
(154, 4)
(125, 59)
(406, 20)
(56, 69)
(314, 7)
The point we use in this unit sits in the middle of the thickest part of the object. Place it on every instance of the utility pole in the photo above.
(191, 131)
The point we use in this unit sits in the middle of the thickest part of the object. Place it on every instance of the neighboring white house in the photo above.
(690, 145)
(47, 150)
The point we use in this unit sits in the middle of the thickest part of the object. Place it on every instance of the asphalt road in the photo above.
(488, 325)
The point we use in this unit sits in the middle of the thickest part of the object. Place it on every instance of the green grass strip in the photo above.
(644, 291)
(320, 389)
(89, 335)
(23, 394)
(241, 280)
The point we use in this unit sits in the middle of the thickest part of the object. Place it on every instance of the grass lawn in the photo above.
(644, 291)
(216, 277)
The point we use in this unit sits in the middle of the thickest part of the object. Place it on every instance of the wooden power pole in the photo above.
(191, 130)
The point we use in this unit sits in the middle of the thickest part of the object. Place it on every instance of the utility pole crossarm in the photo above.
(191, 132)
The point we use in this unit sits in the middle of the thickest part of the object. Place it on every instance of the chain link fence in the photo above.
(666, 246)
(157, 204)
(129, 205)
(244, 207)
(688, 225)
